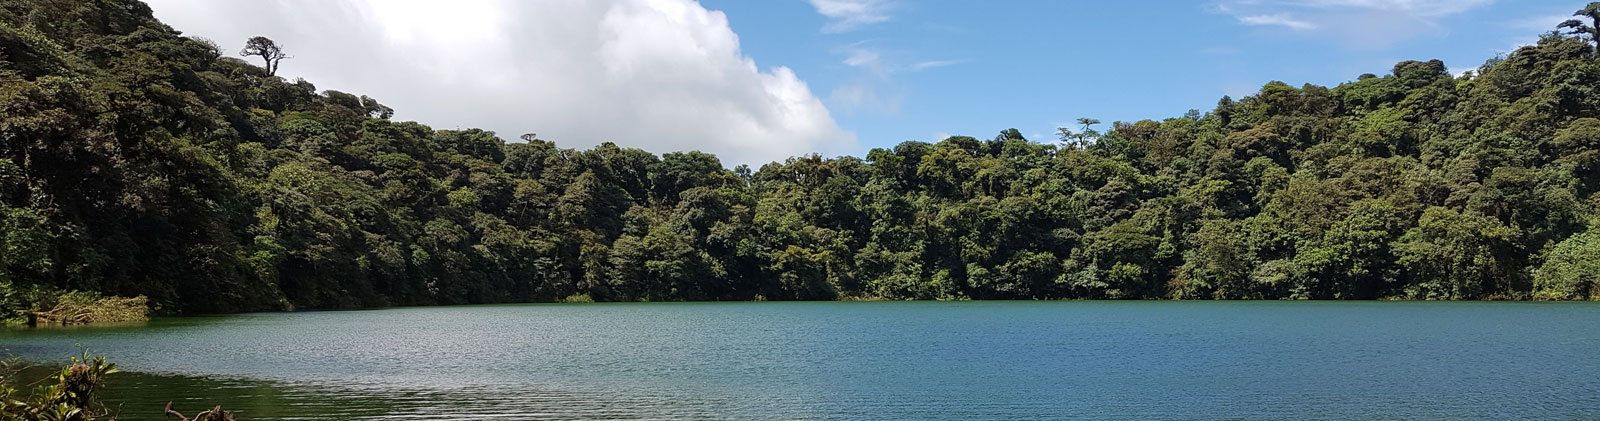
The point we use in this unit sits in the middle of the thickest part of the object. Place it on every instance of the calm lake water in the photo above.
(894, 360)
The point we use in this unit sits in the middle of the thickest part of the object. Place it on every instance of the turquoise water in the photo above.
(885, 360)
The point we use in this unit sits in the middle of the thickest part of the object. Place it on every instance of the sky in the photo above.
(761, 81)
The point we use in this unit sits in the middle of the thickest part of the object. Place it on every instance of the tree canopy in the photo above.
(137, 161)
(268, 50)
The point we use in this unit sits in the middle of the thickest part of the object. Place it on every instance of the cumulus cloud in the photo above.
(662, 75)
(1358, 24)
(847, 15)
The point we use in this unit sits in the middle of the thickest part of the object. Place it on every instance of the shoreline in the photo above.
(788, 302)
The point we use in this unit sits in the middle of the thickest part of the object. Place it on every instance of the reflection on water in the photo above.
(137, 396)
(134, 396)
(1100, 360)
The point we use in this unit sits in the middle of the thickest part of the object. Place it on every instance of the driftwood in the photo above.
(213, 414)
(36, 318)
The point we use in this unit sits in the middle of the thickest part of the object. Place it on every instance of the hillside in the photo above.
(137, 161)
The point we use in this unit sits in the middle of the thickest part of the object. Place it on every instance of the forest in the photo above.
(136, 161)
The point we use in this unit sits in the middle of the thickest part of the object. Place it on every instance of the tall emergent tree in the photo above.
(1591, 29)
(267, 49)
(1082, 138)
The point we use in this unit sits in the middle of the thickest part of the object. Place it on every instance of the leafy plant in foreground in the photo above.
(68, 396)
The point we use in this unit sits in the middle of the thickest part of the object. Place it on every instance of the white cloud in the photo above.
(1357, 24)
(1544, 23)
(847, 15)
(875, 88)
(1278, 19)
(1415, 7)
(935, 63)
(662, 75)
(1534, 25)
(863, 55)
(864, 96)
(865, 58)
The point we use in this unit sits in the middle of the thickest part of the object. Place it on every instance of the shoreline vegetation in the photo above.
(66, 395)
(139, 162)
(70, 394)
(81, 308)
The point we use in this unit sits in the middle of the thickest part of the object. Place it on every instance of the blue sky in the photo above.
(930, 68)
(755, 81)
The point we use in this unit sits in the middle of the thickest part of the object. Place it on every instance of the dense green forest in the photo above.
(137, 161)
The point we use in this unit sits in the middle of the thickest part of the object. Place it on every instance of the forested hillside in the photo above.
(137, 161)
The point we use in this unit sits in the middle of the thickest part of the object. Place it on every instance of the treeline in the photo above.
(136, 161)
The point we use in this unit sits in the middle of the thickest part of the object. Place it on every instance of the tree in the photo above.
(1457, 255)
(1571, 270)
(1590, 29)
(1009, 134)
(269, 51)
(1218, 263)
(1082, 138)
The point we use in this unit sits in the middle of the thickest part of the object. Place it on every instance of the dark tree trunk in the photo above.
(1594, 34)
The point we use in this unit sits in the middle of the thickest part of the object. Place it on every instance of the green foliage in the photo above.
(1458, 255)
(1590, 29)
(1571, 270)
(67, 395)
(578, 298)
(135, 161)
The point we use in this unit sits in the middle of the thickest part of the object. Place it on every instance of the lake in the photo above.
(872, 360)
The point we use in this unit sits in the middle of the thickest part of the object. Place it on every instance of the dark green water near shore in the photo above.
(887, 360)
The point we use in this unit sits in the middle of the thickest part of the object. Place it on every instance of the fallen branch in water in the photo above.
(214, 414)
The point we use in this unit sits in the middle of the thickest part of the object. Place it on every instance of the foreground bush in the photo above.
(68, 395)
